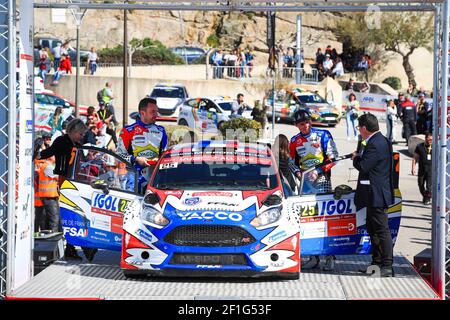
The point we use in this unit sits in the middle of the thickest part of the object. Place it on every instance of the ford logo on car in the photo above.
(192, 201)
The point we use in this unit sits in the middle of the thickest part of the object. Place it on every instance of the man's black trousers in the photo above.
(424, 180)
(380, 237)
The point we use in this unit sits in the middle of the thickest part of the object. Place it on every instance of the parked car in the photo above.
(189, 54)
(208, 113)
(288, 101)
(169, 97)
(45, 104)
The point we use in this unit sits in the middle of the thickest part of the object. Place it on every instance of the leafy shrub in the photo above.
(241, 129)
(394, 82)
(213, 41)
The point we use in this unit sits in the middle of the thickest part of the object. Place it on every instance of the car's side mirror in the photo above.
(101, 184)
(341, 190)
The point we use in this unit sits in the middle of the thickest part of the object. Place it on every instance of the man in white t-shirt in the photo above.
(57, 55)
(328, 64)
(92, 61)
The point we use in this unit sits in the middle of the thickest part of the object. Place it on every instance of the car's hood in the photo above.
(168, 103)
(201, 201)
(320, 107)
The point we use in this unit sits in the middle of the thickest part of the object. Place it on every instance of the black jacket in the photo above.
(62, 149)
(375, 168)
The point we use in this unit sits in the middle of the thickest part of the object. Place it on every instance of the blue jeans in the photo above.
(56, 63)
(58, 75)
(351, 125)
(93, 67)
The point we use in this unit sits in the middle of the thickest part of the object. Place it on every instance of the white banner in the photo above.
(22, 260)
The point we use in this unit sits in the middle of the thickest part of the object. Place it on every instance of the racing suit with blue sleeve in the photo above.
(141, 140)
(310, 150)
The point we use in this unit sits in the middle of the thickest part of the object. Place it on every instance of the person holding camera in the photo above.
(351, 117)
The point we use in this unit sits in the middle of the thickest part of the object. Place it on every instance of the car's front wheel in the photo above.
(183, 122)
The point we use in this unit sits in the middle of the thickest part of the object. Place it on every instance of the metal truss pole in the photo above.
(437, 61)
(441, 223)
(7, 140)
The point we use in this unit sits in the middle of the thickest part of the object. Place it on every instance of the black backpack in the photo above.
(100, 95)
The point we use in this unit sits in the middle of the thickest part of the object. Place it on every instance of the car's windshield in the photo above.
(191, 174)
(311, 98)
(227, 106)
(168, 93)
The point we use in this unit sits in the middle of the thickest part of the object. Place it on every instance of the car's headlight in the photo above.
(267, 217)
(150, 214)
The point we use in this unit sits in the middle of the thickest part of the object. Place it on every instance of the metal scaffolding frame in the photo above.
(7, 133)
(441, 134)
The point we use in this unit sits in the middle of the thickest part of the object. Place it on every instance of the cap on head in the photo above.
(301, 115)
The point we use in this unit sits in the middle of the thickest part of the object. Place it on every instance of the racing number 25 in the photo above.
(308, 210)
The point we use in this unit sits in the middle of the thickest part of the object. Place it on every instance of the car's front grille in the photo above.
(209, 236)
(166, 112)
(209, 259)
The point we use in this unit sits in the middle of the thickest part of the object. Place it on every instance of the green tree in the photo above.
(399, 33)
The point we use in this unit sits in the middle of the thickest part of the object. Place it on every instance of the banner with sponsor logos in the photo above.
(22, 260)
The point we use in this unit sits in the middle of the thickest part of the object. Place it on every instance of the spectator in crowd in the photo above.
(412, 91)
(375, 191)
(259, 115)
(408, 114)
(57, 55)
(39, 212)
(398, 102)
(249, 57)
(321, 72)
(241, 62)
(55, 122)
(92, 61)
(47, 192)
(351, 86)
(422, 90)
(363, 66)
(365, 87)
(106, 117)
(391, 115)
(231, 64)
(320, 57)
(65, 49)
(91, 135)
(422, 156)
(334, 55)
(351, 116)
(281, 152)
(287, 63)
(338, 70)
(64, 68)
(328, 65)
(423, 109)
(241, 105)
(107, 94)
(328, 50)
(45, 65)
(92, 116)
(217, 62)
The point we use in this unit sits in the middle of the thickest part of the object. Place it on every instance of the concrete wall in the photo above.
(253, 89)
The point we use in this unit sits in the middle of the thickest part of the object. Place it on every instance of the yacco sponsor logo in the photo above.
(343, 206)
(109, 203)
(144, 235)
(213, 194)
(208, 215)
(277, 236)
(74, 232)
(192, 201)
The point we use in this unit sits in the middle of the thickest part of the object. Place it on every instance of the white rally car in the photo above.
(169, 97)
(208, 113)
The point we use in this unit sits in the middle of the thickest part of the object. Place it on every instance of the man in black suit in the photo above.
(375, 190)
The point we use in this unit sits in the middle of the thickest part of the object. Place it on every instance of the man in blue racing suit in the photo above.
(142, 143)
(309, 148)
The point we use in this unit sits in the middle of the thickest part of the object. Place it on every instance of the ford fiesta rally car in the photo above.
(211, 208)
